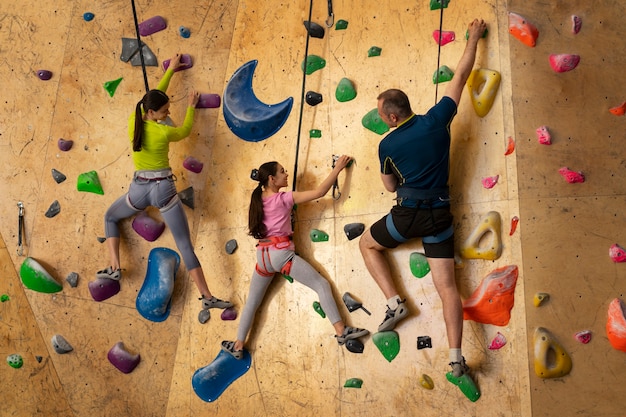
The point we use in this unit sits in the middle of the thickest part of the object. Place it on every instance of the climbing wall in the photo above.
(297, 367)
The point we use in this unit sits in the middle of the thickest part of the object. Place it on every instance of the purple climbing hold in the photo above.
(193, 165)
(208, 101)
(44, 75)
(152, 25)
(122, 359)
(229, 314)
(147, 227)
(103, 288)
(65, 144)
(185, 63)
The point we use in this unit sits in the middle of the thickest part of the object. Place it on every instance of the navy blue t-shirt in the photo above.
(418, 151)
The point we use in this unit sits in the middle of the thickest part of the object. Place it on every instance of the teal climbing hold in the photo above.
(15, 361)
(318, 308)
(315, 133)
(312, 64)
(419, 265)
(89, 182)
(442, 75)
(353, 383)
(318, 236)
(111, 86)
(466, 385)
(373, 122)
(341, 24)
(374, 51)
(438, 4)
(36, 278)
(388, 343)
(345, 91)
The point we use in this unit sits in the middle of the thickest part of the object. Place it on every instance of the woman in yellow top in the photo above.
(153, 182)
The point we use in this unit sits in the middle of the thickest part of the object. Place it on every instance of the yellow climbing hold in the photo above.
(426, 382)
(540, 298)
(483, 86)
(551, 360)
(490, 224)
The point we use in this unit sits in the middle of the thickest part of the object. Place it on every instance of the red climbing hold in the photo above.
(571, 176)
(584, 336)
(577, 23)
(543, 136)
(619, 110)
(490, 182)
(510, 146)
(497, 342)
(564, 62)
(514, 222)
(443, 37)
(523, 30)
(617, 253)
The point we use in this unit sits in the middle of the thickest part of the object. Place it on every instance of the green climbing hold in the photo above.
(288, 278)
(374, 51)
(111, 86)
(36, 278)
(318, 308)
(89, 182)
(484, 34)
(4, 298)
(419, 265)
(373, 122)
(388, 343)
(318, 236)
(315, 133)
(341, 24)
(312, 64)
(438, 4)
(466, 385)
(345, 91)
(442, 75)
(353, 383)
(15, 361)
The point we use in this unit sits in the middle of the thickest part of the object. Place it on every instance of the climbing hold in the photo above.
(208, 101)
(60, 345)
(89, 182)
(514, 222)
(443, 37)
(72, 279)
(36, 278)
(315, 133)
(617, 253)
(345, 90)
(424, 342)
(438, 4)
(497, 342)
(341, 24)
(152, 25)
(583, 336)
(314, 30)
(442, 75)
(543, 135)
(155, 296)
(15, 361)
(510, 146)
(122, 359)
(193, 165)
(288, 278)
(130, 53)
(353, 304)
(186, 196)
(111, 86)
(229, 314)
(204, 316)
(88, 16)
(39, 358)
(318, 236)
(551, 359)
(373, 122)
(577, 24)
(147, 227)
(374, 51)
(231, 246)
(388, 343)
(466, 384)
(492, 301)
(44, 75)
(523, 30)
(103, 288)
(619, 110)
(490, 182)
(616, 325)
(353, 383)
(4, 297)
(318, 309)
(490, 223)
(186, 62)
(571, 176)
(564, 62)
(353, 230)
(426, 382)
(485, 33)
(483, 85)
(54, 209)
(419, 265)
(58, 176)
(312, 63)
(246, 116)
(355, 346)
(101, 239)
(184, 32)
(313, 98)
(65, 145)
(540, 298)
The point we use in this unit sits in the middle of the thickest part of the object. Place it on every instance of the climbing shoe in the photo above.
(351, 333)
(459, 368)
(213, 302)
(392, 317)
(228, 346)
(109, 273)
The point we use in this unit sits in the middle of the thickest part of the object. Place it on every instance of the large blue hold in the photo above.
(154, 298)
(212, 380)
(246, 116)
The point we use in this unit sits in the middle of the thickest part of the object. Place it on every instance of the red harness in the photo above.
(277, 242)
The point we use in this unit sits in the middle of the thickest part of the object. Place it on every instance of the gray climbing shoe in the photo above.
(213, 302)
(392, 317)
(459, 368)
(351, 333)
(228, 346)
(109, 273)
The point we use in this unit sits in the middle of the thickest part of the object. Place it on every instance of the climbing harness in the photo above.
(330, 21)
(336, 192)
(139, 45)
(20, 226)
(438, 53)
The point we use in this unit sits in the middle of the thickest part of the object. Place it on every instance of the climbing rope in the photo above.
(143, 64)
(439, 53)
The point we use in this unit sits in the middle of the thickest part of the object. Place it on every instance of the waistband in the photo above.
(158, 174)
(424, 199)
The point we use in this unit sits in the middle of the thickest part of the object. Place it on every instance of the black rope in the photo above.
(439, 53)
(143, 64)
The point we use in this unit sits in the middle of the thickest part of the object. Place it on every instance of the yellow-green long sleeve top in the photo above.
(154, 153)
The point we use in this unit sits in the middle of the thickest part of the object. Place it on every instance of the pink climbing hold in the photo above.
(443, 37)
(193, 165)
(617, 253)
(147, 227)
(564, 62)
(497, 342)
(577, 23)
(584, 336)
(543, 136)
(619, 110)
(572, 176)
(65, 145)
(490, 182)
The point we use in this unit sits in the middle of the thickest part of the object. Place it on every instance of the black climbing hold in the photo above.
(72, 279)
(101, 239)
(39, 358)
(186, 196)
(204, 316)
(231, 246)
(354, 346)
(353, 304)
(314, 29)
(58, 176)
(54, 209)
(313, 98)
(129, 53)
(423, 342)
(353, 230)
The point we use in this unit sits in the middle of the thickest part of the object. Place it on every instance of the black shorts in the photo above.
(434, 226)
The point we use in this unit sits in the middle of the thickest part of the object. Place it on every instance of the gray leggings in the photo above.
(273, 261)
(162, 195)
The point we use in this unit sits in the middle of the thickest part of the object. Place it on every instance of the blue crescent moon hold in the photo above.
(246, 116)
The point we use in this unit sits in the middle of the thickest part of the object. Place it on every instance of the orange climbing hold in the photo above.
(523, 30)
(510, 146)
(616, 325)
(619, 110)
(492, 301)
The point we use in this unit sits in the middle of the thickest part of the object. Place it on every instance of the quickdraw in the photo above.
(330, 21)
(20, 239)
(336, 193)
